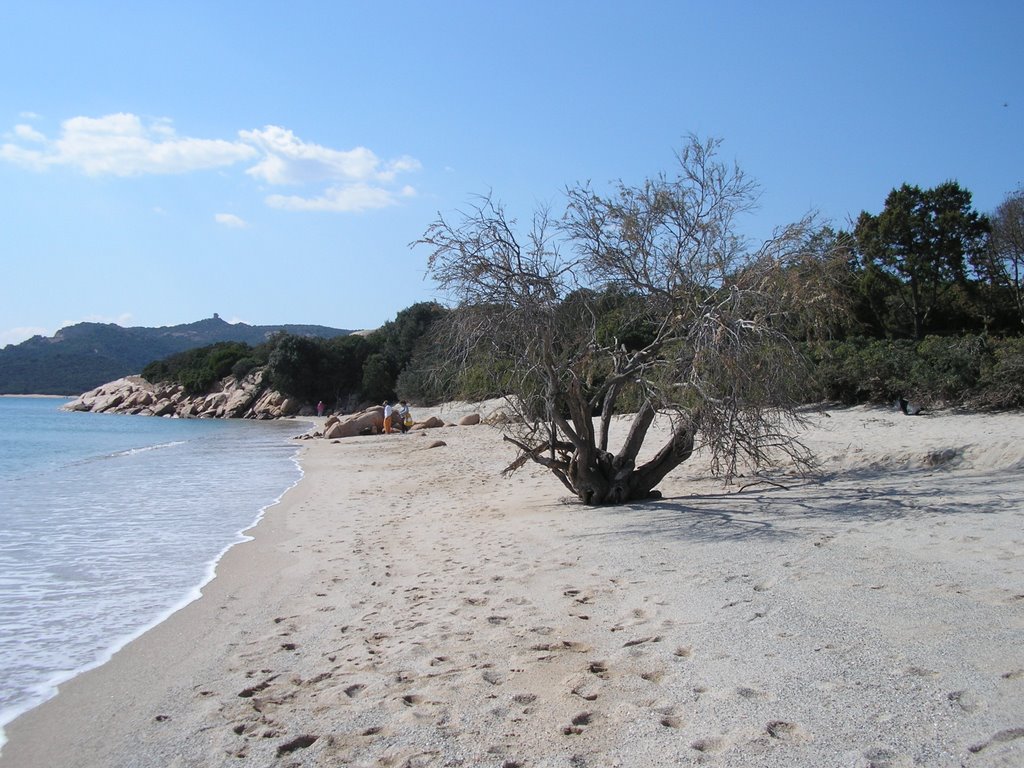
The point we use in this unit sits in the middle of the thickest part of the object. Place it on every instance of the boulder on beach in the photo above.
(370, 421)
(431, 423)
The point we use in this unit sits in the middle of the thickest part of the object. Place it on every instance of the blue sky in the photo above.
(271, 162)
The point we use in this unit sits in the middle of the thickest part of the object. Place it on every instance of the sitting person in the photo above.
(404, 416)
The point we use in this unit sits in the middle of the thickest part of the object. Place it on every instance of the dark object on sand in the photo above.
(909, 408)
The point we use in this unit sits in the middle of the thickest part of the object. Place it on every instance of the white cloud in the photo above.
(28, 133)
(123, 145)
(359, 179)
(349, 198)
(230, 220)
(404, 164)
(126, 145)
(26, 158)
(289, 160)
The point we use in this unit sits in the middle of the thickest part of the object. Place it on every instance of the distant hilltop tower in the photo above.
(216, 316)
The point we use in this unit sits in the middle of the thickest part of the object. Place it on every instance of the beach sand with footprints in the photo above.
(409, 606)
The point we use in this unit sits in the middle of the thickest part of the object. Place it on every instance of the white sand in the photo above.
(410, 607)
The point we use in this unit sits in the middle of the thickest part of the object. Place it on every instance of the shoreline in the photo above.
(167, 604)
(406, 606)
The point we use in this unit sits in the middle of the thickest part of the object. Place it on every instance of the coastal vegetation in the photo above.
(343, 371)
(648, 300)
(850, 313)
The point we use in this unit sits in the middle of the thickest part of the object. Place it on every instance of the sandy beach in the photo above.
(406, 606)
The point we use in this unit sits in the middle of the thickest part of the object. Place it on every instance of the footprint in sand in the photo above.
(576, 596)
(670, 717)
(750, 693)
(492, 677)
(584, 692)
(968, 701)
(302, 742)
(881, 757)
(786, 731)
(561, 645)
(642, 641)
(653, 675)
(709, 744)
(575, 727)
(1002, 737)
(251, 691)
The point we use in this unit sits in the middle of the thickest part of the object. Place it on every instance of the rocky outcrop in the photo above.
(371, 422)
(233, 398)
(368, 422)
(432, 422)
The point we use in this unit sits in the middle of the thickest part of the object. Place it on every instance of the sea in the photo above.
(110, 523)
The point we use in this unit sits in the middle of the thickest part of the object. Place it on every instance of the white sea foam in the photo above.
(94, 553)
(158, 447)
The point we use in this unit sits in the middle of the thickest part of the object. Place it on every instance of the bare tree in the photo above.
(1007, 248)
(644, 301)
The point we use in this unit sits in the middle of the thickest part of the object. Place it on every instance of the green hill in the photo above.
(83, 356)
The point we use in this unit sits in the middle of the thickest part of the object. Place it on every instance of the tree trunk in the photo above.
(604, 478)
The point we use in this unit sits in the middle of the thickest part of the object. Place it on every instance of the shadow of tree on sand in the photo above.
(812, 506)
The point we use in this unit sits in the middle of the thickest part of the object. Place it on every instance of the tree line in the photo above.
(924, 299)
(645, 301)
(344, 371)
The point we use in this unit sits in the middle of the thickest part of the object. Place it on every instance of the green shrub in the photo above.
(972, 370)
(862, 370)
(197, 370)
(1002, 378)
(947, 369)
(378, 379)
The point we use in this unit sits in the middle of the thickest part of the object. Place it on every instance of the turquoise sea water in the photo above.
(109, 523)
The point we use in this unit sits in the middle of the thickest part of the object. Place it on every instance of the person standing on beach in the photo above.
(320, 408)
(387, 417)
